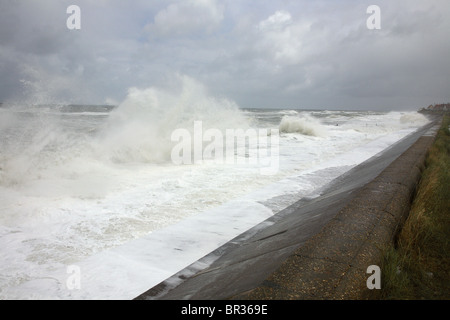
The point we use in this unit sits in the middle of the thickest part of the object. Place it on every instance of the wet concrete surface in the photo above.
(316, 248)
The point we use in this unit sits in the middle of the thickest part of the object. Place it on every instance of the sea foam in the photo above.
(140, 129)
(304, 124)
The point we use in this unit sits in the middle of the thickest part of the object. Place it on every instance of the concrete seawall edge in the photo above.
(333, 263)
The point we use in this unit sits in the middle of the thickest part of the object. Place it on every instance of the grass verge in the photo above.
(417, 265)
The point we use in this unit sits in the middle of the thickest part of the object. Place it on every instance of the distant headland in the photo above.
(436, 108)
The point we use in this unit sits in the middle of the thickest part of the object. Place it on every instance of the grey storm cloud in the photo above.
(311, 54)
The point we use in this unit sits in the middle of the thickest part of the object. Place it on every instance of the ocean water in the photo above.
(93, 205)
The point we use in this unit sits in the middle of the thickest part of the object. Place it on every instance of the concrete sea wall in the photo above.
(319, 248)
(333, 263)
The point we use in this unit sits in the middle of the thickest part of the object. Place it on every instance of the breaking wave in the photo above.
(39, 144)
(140, 128)
(413, 118)
(304, 124)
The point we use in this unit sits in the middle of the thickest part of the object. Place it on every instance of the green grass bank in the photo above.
(417, 265)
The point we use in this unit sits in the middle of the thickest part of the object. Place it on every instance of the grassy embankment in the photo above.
(417, 267)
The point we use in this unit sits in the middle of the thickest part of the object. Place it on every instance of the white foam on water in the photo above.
(101, 193)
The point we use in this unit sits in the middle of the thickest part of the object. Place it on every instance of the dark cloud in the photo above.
(276, 54)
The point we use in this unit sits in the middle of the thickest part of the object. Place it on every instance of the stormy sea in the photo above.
(104, 202)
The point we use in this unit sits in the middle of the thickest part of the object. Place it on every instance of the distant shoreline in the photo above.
(441, 108)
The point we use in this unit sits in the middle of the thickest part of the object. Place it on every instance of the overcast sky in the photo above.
(258, 53)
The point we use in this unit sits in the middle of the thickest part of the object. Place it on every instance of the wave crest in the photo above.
(140, 128)
(303, 124)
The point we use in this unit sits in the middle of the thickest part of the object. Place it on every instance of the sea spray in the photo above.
(413, 118)
(78, 202)
(140, 129)
(33, 141)
(47, 144)
(303, 124)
